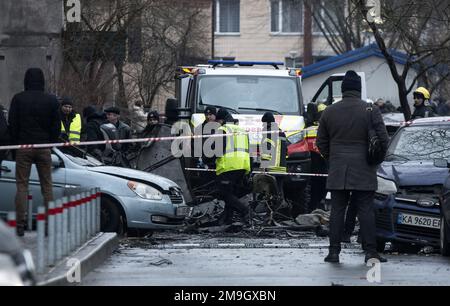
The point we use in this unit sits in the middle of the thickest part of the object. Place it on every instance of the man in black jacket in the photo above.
(33, 119)
(91, 130)
(343, 140)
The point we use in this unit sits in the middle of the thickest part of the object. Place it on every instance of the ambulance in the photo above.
(248, 90)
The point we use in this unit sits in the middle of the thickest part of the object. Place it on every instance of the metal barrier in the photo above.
(68, 223)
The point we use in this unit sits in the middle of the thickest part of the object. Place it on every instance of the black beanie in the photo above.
(89, 111)
(351, 81)
(66, 101)
(153, 115)
(223, 114)
(210, 110)
(268, 117)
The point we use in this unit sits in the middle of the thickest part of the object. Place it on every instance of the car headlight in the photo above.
(385, 186)
(297, 137)
(145, 191)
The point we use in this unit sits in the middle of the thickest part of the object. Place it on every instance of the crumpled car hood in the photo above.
(132, 174)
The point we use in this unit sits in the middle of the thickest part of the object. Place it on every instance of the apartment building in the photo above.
(267, 30)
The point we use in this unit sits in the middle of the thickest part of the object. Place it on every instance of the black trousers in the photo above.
(227, 185)
(364, 202)
(350, 218)
(318, 184)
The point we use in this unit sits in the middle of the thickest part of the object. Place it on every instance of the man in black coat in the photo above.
(33, 119)
(343, 140)
(91, 130)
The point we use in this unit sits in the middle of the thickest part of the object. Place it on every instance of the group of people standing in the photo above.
(37, 117)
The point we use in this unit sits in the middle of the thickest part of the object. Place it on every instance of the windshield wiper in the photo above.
(396, 155)
(219, 106)
(261, 110)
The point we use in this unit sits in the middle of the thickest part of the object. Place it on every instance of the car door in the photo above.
(8, 184)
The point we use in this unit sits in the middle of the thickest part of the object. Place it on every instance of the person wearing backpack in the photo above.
(343, 140)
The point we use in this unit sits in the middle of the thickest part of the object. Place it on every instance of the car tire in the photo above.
(111, 217)
(445, 238)
(381, 245)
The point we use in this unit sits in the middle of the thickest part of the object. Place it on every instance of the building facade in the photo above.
(266, 30)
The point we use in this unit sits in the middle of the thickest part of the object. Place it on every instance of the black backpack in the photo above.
(375, 151)
(4, 135)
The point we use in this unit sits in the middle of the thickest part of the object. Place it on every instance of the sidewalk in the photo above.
(90, 255)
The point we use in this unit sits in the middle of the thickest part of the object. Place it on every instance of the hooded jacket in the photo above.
(34, 115)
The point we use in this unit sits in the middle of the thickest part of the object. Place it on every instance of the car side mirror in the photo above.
(56, 161)
(441, 163)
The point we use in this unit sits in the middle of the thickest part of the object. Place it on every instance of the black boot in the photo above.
(333, 256)
(374, 256)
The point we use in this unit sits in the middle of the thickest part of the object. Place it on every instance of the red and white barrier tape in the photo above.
(264, 172)
(136, 140)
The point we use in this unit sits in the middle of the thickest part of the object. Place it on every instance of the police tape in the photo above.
(134, 140)
(264, 172)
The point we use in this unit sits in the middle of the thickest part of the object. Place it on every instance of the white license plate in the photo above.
(183, 211)
(417, 220)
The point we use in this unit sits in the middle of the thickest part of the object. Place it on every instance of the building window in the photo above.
(286, 16)
(227, 16)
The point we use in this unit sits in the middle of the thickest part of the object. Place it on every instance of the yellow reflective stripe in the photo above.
(277, 169)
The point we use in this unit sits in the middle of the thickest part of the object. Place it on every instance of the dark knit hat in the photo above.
(89, 111)
(268, 117)
(223, 114)
(113, 109)
(351, 81)
(153, 115)
(210, 110)
(66, 101)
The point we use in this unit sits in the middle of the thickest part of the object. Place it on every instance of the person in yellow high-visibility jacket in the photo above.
(70, 121)
(273, 149)
(231, 166)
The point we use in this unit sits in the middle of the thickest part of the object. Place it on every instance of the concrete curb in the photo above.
(90, 255)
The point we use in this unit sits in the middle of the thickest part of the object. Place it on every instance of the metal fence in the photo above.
(69, 222)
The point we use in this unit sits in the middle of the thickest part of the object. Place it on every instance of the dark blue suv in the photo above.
(410, 185)
(445, 211)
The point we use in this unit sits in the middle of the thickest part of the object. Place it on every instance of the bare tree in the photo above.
(172, 35)
(419, 28)
(132, 46)
(341, 24)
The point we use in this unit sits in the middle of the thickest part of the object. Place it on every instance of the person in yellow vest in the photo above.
(273, 149)
(232, 164)
(70, 121)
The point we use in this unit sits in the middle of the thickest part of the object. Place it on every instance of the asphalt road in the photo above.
(173, 259)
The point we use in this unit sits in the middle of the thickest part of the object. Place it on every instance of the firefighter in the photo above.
(232, 165)
(422, 108)
(273, 148)
(70, 121)
(318, 166)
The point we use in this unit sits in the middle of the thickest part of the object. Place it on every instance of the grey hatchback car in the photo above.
(131, 199)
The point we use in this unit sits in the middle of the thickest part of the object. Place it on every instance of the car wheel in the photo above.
(381, 245)
(111, 218)
(445, 239)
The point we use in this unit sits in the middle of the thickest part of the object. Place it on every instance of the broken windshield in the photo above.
(250, 94)
(420, 143)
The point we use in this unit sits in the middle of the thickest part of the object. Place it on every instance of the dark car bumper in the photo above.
(387, 210)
